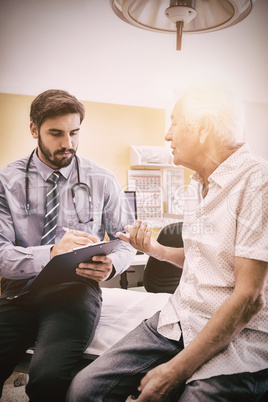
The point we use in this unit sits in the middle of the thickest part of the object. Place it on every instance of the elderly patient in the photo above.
(210, 341)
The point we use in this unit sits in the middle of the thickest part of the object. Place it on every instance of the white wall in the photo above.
(256, 127)
(81, 46)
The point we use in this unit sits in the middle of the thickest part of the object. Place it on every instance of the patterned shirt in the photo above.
(231, 221)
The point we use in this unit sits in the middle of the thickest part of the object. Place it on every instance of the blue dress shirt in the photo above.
(21, 255)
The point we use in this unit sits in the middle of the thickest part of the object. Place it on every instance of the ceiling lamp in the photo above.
(188, 16)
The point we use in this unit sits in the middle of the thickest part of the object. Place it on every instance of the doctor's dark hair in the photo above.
(53, 103)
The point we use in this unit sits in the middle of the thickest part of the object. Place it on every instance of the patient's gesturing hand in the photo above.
(139, 236)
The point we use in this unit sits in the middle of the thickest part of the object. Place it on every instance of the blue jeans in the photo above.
(62, 320)
(117, 373)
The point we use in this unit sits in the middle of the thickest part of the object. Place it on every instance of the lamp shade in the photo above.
(189, 16)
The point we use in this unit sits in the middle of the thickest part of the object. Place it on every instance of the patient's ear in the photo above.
(204, 130)
(34, 130)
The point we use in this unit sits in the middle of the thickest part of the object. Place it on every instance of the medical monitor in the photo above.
(131, 197)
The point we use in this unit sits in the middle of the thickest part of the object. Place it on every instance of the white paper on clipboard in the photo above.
(61, 268)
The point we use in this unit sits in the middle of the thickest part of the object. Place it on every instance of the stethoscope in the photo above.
(75, 187)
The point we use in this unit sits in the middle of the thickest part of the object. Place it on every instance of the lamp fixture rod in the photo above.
(179, 26)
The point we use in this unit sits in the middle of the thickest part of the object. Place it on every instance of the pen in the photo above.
(123, 231)
(91, 237)
(67, 230)
(74, 230)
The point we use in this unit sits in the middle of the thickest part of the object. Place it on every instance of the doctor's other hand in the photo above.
(139, 236)
(99, 269)
(71, 240)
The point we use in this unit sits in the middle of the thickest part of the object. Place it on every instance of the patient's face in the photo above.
(184, 138)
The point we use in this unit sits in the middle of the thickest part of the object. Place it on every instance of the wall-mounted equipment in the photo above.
(150, 156)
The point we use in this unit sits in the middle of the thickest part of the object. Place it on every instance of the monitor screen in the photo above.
(131, 197)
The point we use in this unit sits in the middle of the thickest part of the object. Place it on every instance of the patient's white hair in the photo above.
(216, 104)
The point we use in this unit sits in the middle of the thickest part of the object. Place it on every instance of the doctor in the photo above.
(40, 195)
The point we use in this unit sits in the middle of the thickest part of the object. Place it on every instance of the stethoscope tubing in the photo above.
(27, 204)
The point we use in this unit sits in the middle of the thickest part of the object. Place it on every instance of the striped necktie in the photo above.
(52, 210)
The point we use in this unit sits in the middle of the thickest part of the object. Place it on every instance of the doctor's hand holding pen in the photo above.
(72, 239)
(99, 269)
(139, 236)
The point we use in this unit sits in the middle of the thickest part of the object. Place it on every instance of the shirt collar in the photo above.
(225, 170)
(45, 171)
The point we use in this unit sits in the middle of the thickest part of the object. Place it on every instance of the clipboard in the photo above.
(61, 268)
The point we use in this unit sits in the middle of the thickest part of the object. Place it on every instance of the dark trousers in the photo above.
(61, 322)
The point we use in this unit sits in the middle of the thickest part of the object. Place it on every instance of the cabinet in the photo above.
(146, 156)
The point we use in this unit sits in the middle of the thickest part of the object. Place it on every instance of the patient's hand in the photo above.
(139, 236)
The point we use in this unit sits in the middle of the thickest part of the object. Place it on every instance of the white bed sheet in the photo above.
(122, 311)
